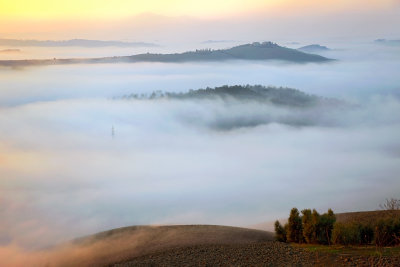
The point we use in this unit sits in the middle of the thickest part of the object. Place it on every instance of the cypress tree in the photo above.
(294, 232)
(315, 221)
(308, 226)
(326, 222)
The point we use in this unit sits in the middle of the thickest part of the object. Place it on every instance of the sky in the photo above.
(49, 9)
(45, 19)
(113, 9)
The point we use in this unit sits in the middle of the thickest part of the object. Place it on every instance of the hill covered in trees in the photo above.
(255, 51)
(232, 107)
(270, 95)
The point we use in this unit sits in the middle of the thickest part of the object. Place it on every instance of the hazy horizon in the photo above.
(181, 21)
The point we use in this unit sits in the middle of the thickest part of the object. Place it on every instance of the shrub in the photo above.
(387, 232)
(346, 234)
(366, 233)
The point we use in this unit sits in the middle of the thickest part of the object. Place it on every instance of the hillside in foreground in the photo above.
(123, 244)
(205, 245)
(208, 245)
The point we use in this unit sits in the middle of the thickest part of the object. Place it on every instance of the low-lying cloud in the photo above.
(64, 170)
(64, 175)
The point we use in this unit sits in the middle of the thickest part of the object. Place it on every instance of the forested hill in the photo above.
(255, 51)
(259, 93)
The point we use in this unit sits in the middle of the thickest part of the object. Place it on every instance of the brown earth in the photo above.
(203, 245)
(124, 244)
(367, 216)
(269, 253)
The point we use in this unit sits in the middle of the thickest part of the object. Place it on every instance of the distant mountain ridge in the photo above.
(10, 51)
(73, 42)
(254, 51)
(387, 42)
(313, 48)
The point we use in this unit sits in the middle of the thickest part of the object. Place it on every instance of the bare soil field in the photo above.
(123, 244)
(211, 245)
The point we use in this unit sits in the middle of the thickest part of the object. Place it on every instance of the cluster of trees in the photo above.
(384, 232)
(206, 50)
(310, 227)
(259, 93)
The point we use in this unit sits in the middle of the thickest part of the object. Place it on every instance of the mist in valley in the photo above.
(76, 158)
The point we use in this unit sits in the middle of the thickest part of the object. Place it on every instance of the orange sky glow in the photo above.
(57, 9)
(24, 17)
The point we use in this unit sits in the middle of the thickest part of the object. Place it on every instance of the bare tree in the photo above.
(391, 204)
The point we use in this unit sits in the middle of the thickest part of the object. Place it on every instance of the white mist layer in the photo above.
(63, 175)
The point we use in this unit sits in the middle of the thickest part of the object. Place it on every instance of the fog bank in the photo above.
(64, 173)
